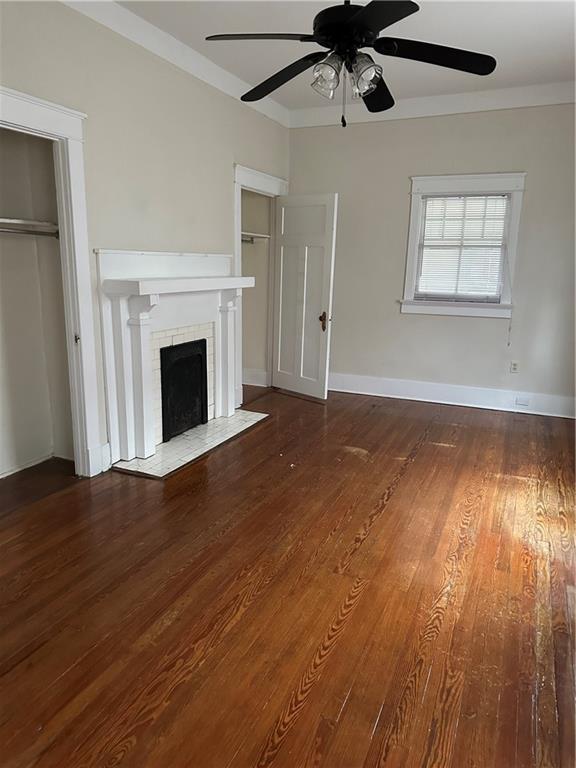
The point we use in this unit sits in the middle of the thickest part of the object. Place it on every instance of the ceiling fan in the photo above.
(344, 30)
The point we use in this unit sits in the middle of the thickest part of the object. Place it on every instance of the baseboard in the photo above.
(106, 457)
(256, 377)
(454, 394)
(61, 456)
(96, 460)
(26, 465)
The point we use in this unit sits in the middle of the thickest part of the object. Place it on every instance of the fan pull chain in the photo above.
(343, 120)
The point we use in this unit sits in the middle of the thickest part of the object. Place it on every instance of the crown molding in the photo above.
(167, 47)
(431, 106)
(142, 33)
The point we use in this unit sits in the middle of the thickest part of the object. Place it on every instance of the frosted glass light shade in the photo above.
(326, 75)
(366, 75)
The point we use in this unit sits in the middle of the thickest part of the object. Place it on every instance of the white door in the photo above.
(304, 269)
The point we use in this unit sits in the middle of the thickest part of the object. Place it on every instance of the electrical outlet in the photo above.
(514, 366)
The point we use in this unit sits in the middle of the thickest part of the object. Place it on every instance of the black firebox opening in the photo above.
(183, 374)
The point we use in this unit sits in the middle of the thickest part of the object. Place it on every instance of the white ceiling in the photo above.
(533, 42)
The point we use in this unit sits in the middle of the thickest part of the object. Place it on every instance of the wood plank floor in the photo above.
(35, 483)
(371, 583)
(251, 393)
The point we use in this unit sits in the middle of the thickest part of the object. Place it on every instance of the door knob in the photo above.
(322, 320)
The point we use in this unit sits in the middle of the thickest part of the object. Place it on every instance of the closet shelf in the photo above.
(28, 227)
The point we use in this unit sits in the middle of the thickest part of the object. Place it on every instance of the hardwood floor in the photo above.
(35, 483)
(371, 583)
(251, 393)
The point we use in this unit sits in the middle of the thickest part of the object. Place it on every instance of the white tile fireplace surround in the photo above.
(172, 336)
(151, 300)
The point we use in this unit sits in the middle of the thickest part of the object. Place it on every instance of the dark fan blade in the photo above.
(380, 14)
(380, 99)
(283, 76)
(265, 36)
(453, 58)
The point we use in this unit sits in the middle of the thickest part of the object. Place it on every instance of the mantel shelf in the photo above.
(161, 285)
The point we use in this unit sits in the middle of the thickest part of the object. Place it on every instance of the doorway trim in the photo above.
(65, 128)
(270, 186)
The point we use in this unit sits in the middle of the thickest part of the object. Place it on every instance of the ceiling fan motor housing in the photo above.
(333, 29)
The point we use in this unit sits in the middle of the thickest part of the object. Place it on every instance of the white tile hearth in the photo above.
(191, 445)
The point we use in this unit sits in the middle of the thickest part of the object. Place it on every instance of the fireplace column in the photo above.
(225, 371)
(139, 324)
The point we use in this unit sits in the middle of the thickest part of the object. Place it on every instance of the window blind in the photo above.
(462, 248)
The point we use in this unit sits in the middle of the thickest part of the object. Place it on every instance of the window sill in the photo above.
(459, 308)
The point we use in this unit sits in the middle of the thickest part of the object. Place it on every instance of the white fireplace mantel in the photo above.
(133, 307)
(147, 286)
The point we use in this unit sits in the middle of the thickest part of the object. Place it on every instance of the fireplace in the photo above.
(141, 315)
(183, 372)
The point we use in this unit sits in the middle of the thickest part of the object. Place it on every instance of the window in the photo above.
(462, 241)
(462, 248)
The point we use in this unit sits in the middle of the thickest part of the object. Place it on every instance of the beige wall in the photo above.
(160, 145)
(160, 149)
(255, 263)
(35, 415)
(370, 166)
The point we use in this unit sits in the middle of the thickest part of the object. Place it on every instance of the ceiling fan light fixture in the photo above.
(341, 31)
(326, 75)
(365, 75)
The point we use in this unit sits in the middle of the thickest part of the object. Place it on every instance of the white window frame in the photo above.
(471, 184)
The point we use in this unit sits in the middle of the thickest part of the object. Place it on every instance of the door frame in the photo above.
(65, 128)
(269, 186)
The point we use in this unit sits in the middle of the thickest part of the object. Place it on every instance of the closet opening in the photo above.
(36, 433)
(257, 212)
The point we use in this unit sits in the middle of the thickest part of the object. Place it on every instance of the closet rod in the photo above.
(249, 237)
(35, 232)
(28, 227)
